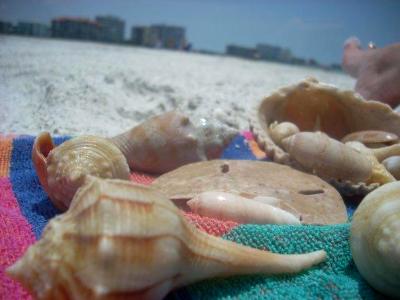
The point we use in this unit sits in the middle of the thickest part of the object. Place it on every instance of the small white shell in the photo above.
(375, 239)
(228, 206)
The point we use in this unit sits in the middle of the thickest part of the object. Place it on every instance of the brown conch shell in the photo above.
(302, 194)
(170, 140)
(62, 170)
(313, 106)
(119, 240)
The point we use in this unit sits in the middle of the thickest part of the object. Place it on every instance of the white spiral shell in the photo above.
(375, 239)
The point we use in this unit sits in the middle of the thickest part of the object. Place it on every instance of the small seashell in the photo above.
(171, 140)
(392, 164)
(375, 239)
(232, 207)
(121, 240)
(331, 159)
(62, 170)
(372, 138)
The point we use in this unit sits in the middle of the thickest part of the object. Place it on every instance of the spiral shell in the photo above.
(119, 240)
(375, 239)
(168, 141)
(62, 170)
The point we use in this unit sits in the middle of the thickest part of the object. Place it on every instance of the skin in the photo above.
(377, 71)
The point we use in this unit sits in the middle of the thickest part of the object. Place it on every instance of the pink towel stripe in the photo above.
(16, 236)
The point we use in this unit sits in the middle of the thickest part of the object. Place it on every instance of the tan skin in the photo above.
(377, 71)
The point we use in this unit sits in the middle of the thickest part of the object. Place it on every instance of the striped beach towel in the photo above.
(25, 209)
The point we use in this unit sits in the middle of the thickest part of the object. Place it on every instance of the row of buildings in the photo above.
(103, 28)
(25, 28)
(276, 54)
(264, 52)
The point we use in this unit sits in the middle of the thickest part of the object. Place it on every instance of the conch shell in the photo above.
(62, 170)
(119, 240)
(375, 239)
(170, 140)
(313, 106)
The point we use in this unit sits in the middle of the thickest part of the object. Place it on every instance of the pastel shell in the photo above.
(375, 239)
(170, 140)
(119, 240)
(331, 159)
(313, 106)
(62, 170)
(228, 206)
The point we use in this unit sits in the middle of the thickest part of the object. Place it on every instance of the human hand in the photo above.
(377, 70)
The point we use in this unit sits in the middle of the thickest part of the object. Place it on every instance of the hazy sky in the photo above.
(311, 28)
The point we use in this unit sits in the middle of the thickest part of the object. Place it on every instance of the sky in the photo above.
(309, 28)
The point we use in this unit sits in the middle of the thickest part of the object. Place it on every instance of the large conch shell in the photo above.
(119, 240)
(313, 106)
(170, 140)
(62, 170)
(158, 145)
(375, 239)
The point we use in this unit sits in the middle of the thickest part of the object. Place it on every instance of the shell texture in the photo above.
(171, 140)
(232, 207)
(304, 195)
(375, 239)
(62, 170)
(119, 240)
(313, 106)
(331, 159)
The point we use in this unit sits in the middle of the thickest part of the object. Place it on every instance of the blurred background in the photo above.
(119, 62)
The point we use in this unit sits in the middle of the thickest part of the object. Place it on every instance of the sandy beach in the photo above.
(70, 87)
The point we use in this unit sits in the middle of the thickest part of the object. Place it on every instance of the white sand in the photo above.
(69, 87)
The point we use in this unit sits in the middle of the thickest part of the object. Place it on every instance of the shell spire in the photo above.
(119, 239)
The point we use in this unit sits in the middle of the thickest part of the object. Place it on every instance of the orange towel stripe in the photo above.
(5, 154)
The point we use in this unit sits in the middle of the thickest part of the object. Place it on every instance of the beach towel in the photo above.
(25, 210)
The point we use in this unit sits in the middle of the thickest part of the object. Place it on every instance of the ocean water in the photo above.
(71, 87)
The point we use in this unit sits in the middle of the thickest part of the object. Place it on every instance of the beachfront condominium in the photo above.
(75, 28)
(112, 29)
(159, 36)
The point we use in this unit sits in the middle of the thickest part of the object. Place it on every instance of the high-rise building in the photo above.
(112, 29)
(273, 53)
(75, 28)
(32, 29)
(241, 51)
(159, 36)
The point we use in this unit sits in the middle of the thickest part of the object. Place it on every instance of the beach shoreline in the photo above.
(73, 87)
